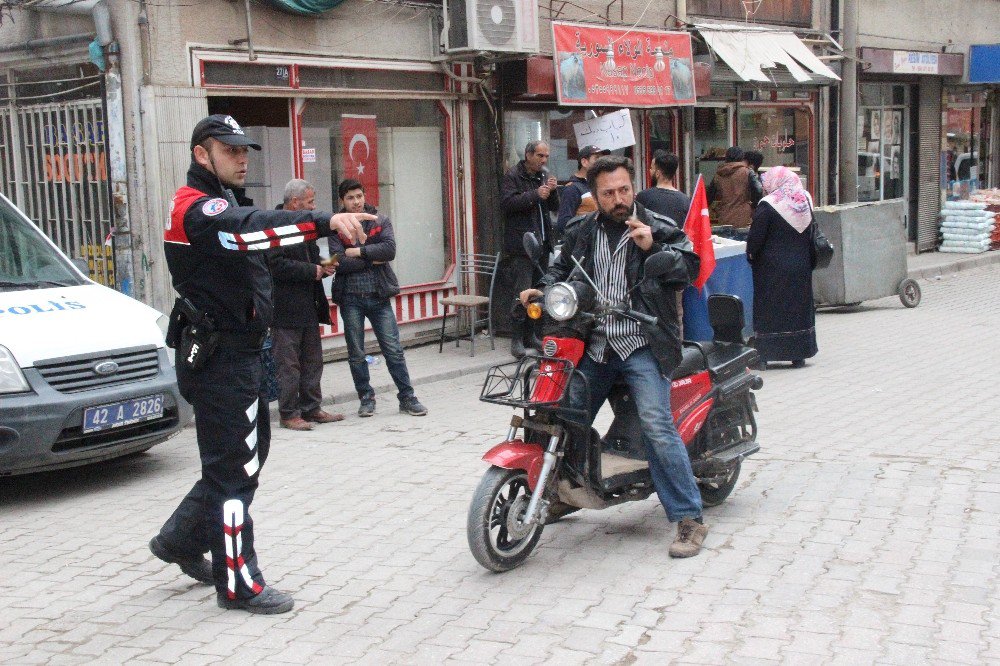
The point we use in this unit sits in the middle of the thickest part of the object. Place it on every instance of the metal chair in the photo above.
(472, 270)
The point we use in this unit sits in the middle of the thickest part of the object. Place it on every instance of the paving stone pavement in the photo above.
(865, 531)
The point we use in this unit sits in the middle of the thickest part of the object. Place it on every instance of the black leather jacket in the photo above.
(654, 297)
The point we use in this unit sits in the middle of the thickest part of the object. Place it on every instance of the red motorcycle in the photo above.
(550, 464)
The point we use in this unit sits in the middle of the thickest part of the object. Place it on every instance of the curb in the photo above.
(388, 388)
(964, 264)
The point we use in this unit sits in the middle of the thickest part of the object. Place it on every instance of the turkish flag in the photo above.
(360, 138)
(698, 227)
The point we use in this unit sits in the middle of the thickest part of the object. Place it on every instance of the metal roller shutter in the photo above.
(929, 164)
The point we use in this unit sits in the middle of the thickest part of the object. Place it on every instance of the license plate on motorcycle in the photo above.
(124, 413)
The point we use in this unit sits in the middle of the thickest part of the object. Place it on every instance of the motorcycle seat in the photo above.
(725, 360)
(692, 362)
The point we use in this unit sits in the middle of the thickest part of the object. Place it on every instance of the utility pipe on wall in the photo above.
(848, 163)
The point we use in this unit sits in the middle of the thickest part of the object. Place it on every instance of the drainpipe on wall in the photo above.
(115, 133)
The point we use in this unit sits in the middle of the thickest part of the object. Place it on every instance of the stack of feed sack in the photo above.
(966, 227)
(992, 200)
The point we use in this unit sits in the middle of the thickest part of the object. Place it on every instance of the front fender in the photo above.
(516, 454)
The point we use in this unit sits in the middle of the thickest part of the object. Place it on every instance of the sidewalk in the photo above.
(426, 365)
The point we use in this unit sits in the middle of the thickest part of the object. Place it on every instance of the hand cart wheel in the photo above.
(909, 292)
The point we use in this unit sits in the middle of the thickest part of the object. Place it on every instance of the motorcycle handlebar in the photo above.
(634, 315)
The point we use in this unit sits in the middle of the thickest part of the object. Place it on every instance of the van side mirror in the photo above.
(82, 265)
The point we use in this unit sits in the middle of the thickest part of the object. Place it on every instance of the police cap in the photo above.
(223, 128)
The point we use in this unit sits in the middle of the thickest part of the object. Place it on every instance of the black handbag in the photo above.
(822, 247)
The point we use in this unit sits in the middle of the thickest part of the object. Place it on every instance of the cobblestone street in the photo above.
(866, 530)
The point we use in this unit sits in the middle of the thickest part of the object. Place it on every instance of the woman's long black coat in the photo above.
(782, 260)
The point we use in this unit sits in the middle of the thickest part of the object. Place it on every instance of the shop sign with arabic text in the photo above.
(645, 68)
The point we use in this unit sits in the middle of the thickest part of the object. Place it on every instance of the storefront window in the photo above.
(883, 154)
(783, 134)
(554, 127)
(966, 137)
(407, 150)
(711, 139)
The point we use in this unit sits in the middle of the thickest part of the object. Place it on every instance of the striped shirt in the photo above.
(619, 334)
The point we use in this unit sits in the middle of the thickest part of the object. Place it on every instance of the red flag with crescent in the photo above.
(361, 152)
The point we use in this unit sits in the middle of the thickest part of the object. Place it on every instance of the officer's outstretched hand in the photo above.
(349, 227)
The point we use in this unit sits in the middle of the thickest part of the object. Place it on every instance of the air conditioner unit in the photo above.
(506, 26)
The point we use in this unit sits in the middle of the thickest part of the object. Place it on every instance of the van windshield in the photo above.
(27, 261)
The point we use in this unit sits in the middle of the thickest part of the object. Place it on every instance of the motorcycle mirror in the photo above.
(658, 265)
(531, 246)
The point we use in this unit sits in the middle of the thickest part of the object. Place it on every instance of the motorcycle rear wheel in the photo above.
(716, 493)
(495, 539)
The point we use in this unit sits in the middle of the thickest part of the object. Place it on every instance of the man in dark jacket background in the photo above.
(576, 198)
(612, 246)
(527, 195)
(299, 308)
(363, 288)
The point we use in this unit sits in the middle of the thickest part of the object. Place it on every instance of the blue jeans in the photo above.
(355, 309)
(668, 459)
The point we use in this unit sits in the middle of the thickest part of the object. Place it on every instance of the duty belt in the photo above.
(253, 340)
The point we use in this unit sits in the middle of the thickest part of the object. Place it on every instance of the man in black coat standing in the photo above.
(527, 195)
(300, 306)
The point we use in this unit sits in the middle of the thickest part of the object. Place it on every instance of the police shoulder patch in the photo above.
(213, 207)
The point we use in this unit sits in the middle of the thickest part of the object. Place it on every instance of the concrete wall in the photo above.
(355, 28)
(927, 25)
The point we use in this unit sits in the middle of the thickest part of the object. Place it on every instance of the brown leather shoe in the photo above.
(296, 423)
(319, 416)
(690, 535)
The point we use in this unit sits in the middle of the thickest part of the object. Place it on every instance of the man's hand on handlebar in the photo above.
(528, 294)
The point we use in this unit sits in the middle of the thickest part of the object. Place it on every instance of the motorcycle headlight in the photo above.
(11, 378)
(561, 302)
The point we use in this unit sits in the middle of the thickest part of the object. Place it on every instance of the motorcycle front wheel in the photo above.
(716, 492)
(497, 539)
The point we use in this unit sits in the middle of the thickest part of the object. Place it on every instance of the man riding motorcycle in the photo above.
(611, 245)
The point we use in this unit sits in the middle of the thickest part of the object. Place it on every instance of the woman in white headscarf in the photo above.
(781, 254)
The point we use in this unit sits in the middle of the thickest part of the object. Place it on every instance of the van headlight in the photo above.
(11, 378)
(560, 301)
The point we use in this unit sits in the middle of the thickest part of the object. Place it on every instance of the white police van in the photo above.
(84, 372)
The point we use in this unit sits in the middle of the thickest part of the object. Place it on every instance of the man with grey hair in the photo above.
(527, 195)
(300, 306)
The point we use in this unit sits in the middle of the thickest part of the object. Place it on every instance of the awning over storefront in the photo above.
(749, 51)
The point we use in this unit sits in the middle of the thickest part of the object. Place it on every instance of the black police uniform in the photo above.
(213, 249)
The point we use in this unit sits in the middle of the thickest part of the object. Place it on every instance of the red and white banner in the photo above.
(360, 137)
(644, 68)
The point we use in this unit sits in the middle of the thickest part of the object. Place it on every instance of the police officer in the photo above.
(213, 243)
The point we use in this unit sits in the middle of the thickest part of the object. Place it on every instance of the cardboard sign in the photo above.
(608, 132)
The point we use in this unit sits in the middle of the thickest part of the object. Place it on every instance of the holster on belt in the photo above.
(192, 332)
